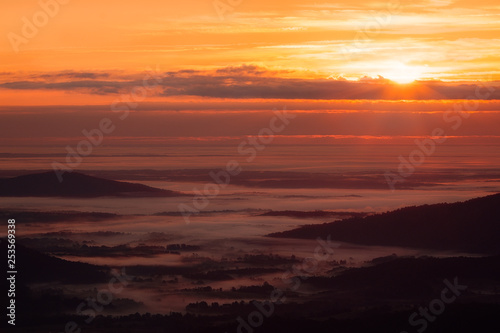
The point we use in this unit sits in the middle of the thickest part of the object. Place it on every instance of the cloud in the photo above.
(242, 70)
(72, 75)
(254, 82)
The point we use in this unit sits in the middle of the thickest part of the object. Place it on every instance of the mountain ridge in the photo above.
(76, 184)
(471, 226)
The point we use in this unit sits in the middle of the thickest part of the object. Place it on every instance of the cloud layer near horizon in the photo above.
(250, 82)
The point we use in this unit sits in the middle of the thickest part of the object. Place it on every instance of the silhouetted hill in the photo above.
(37, 267)
(55, 216)
(472, 226)
(414, 278)
(75, 184)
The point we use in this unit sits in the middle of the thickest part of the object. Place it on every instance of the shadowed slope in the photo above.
(75, 185)
(473, 225)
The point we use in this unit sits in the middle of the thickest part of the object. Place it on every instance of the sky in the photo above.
(208, 68)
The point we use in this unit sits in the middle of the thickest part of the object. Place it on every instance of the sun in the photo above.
(403, 73)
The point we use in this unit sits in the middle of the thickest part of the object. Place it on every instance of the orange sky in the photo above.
(444, 39)
(245, 55)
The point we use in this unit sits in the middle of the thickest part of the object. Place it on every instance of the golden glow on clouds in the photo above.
(402, 73)
(422, 39)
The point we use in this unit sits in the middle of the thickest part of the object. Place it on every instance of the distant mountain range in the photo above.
(76, 184)
(471, 226)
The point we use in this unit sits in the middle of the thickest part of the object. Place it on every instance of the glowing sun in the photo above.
(402, 73)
